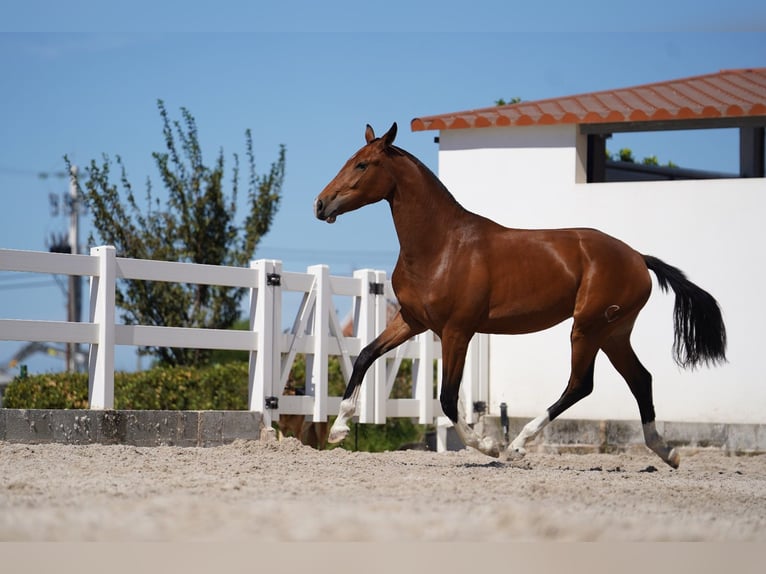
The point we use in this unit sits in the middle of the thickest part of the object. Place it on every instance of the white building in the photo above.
(542, 164)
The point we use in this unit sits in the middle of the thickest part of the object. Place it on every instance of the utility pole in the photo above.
(75, 282)
(70, 243)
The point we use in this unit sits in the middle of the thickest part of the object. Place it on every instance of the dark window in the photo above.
(671, 154)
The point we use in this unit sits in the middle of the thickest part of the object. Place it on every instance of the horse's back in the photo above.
(611, 274)
(542, 277)
(572, 250)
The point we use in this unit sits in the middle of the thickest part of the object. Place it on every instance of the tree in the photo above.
(503, 102)
(196, 224)
(626, 155)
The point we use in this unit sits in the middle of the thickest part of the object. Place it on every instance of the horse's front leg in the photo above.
(454, 349)
(395, 333)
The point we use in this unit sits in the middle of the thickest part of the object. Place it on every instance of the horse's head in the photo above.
(363, 180)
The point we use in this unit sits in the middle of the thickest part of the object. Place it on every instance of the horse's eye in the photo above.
(361, 166)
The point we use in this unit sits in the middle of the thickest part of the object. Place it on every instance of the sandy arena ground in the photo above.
(284, 491)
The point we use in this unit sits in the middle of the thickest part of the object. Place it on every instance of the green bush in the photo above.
(219, 387)
(379, 438)
(49, 391)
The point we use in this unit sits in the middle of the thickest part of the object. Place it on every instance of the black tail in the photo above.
(700, 335)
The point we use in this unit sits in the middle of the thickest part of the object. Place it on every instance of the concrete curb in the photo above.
(138, 428)
(579, 435)
(214, 428)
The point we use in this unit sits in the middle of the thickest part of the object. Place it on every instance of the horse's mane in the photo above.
(426, 172)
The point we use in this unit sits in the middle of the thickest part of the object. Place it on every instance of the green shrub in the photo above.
(379, 438)
(49, 391)
(219, 387)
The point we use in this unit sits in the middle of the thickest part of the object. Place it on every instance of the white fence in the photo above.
(316, 332)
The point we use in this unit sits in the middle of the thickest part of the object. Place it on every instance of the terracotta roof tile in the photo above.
(728, 93)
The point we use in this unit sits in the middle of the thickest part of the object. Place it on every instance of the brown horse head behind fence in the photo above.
(459, 273)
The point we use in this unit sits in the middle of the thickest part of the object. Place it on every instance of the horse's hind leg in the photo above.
(580, 385)
(624, 359)
(395, 333)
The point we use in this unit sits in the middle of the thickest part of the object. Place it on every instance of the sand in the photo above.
(287, 492)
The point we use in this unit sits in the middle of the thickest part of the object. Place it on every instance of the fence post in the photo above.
(468, 386)
(482, 358)
(265, 319)
(101, 355)
(442, 427)
(364, 329)
(317, 362)
(475, 381)
(423, 378)
(379, 368)
(442, 422)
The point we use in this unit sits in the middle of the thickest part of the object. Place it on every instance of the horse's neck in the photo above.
(424, 212)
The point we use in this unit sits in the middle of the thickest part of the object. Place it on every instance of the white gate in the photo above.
(316, 332)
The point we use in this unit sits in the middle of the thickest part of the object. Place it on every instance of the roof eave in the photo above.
(729, 98)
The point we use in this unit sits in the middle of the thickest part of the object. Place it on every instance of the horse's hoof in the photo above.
(674, 459)
(489, 446)
(337, 434)
(515, 453)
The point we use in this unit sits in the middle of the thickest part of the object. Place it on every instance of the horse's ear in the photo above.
(390, 135)
(369, 134)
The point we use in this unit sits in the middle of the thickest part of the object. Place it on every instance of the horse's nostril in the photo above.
(319, 205)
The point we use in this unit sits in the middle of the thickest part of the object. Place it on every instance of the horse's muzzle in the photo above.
(320, 211)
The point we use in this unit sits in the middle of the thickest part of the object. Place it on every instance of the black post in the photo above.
(504, 420)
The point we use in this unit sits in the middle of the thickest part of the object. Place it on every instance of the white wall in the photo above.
(525, 177)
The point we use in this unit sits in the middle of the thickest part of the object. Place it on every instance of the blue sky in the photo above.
(310, 75)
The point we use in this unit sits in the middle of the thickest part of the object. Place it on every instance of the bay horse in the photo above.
(459, 273)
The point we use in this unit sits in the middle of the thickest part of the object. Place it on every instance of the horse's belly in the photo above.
(529, 312)
(518, 324)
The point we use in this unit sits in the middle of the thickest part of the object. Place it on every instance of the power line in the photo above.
(10, 275)
(17, 275)
(342, 261)
(326, 250)
(27, 285)
(33, 173)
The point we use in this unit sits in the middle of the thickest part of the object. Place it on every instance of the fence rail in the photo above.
(316, 332)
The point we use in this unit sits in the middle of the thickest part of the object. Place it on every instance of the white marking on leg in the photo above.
(656, 443)
(652, 437)
(470, 437)
(484, 444)
(529, 431)
(346, 412)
